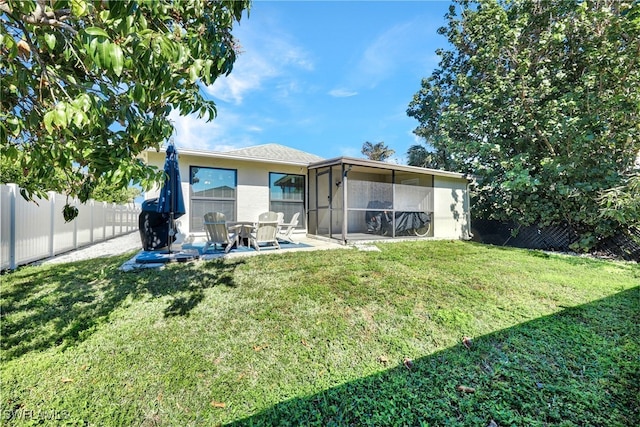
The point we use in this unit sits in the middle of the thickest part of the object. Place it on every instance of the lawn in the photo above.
(324, 338)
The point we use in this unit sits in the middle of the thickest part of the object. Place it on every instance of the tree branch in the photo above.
(41, 17)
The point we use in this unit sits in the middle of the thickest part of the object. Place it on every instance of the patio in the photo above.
(195, 243)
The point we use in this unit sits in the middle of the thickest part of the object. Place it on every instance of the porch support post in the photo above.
(344, 203)
(393, 200)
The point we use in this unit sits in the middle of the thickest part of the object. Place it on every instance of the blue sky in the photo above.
(322, 77)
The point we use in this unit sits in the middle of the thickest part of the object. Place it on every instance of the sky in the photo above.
(322, 77)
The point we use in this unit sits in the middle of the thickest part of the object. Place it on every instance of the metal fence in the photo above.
(31, 231)
(625, 244)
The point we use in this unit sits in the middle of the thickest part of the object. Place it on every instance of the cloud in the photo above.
(399, 47)
(384, 54)
(342, 93)
(217, 135)
(249, 72)
(263, 59)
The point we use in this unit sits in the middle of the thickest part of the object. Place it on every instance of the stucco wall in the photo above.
(252, 196)
(450, 195)
(451, 208)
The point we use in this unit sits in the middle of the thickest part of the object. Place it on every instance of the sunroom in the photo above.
(353, 199)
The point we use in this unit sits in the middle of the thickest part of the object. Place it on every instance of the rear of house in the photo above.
(337, 198)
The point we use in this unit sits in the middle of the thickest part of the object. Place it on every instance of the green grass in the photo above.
(319, 338)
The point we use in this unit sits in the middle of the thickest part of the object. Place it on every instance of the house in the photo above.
(344, 199)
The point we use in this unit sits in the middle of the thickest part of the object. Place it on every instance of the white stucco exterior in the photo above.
(451, 210)
(449, 207)
(252, 197)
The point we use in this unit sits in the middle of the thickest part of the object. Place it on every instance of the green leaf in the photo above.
(117, 59)
(193, 75)
(48, 121)
(96, 31)
(139, 94)
(60, 117)
(50, 39)
(79, 118)
(14, 125)
(91, 48)
(79, 7)
(104, 53)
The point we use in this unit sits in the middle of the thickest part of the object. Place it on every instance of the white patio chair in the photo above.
(215, 225)
(265, 231)
(285, 229)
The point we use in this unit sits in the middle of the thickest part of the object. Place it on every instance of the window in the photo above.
(286, 194)
(212, 190)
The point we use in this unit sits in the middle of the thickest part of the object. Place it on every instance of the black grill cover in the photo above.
(153, 226)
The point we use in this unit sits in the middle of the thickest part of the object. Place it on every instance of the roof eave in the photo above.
(220, 155)
(383, 165)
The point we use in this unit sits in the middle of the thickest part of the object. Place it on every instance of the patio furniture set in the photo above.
(270, 229)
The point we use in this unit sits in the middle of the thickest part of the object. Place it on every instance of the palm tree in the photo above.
(418, 155)
(377, 151)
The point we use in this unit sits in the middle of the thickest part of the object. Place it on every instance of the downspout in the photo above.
(468, 203)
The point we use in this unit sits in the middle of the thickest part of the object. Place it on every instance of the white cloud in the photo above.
(398, 47)
(342, 93)
(384, 55)
(249, 72)
(217, 135)
(263, 59)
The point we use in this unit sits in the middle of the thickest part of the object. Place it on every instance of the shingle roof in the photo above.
(275, 152)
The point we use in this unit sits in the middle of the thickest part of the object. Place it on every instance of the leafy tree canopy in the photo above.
(378, 151)
(419, 155)
(102, 190)
(87, 85)
(623, 203)
(540, 100)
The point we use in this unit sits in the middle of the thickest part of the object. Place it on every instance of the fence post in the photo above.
(52, 224)
(104, 221)
(75, 227)
(13, 190)
(114, 208)
(91, 203)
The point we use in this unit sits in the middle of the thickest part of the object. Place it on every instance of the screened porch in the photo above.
(357, 199)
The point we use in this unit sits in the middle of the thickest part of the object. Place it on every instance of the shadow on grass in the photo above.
(577, 367)
(49, 306)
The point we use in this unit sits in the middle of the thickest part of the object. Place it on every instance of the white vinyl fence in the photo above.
(32, 231)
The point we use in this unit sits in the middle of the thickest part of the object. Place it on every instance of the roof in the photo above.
(275, 152)
(266, 153)
(388, 166)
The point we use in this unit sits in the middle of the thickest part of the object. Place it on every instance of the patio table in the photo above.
(243, 228)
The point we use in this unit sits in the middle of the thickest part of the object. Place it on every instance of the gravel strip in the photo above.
(115, 246)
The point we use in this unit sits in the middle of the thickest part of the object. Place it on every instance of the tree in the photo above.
(419, 155)
(87, 85)
(121, 196)
(378, 151)
(102, 190)
(623, 203)
(540, 101)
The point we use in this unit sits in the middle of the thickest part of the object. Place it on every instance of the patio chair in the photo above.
(215, 225)
(285, 230)
(265, 231)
